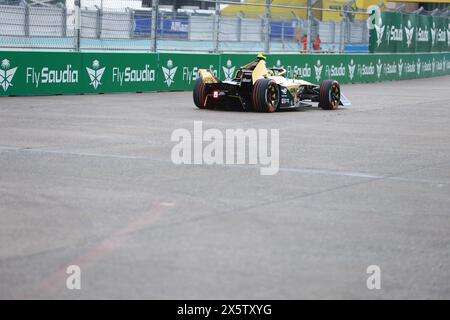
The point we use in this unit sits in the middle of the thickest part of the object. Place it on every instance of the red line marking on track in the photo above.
(57, 280)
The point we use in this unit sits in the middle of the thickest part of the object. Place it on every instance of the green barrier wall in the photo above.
(47, 73)
(409, 33)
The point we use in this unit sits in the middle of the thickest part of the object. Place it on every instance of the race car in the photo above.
(258, 88)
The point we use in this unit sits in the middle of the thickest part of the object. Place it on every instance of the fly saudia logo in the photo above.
(400, 67)
(318, 68)
(299, 72)
(409, 31)
(228, 70)
(95, 74)
(426, 66)
(133, 75)
(423, 35)
(433, 34)
(51, 76)
(379, 68)
(351, 69)
(390, 68)
(410, 68)
(439, 65)
(441, 35)
(379, 28)
(190, 75)
(395, 34)
(169, 73)
(448, 35)
(6, 74)
(418, 66)
(364, 70)
(333, 71)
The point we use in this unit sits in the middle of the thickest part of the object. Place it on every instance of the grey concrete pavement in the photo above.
(88, 180)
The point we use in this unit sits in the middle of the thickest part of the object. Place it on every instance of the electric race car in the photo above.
(261, 89)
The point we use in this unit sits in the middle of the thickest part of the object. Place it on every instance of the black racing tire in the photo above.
(329, 95)
(200, 93)
(265, 95)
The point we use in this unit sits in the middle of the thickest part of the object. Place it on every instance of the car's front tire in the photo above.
(265, 95)
(329, 95)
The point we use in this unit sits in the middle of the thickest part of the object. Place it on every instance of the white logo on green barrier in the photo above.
(423, 35)
(448, 35)
(335, 71)
(379, 68)
(390, 68)
(296, 71)
(351, 69)
(279, 63)
(433, 34)
(318, 68)
(441, 36)
(433, 65)
(426, 66)
(190, 75)
(438, 66)
(418, 66)
(51, 76)
(6, 74)
(228, 70)
(409, 30)
(364, 70)
(302, 72)
(379, 28)
(395, 34)
(128, 74)
(95, 74)
(169, 73)
(400, 67)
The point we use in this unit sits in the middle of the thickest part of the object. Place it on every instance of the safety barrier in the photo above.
(25, 73)
(399, 33)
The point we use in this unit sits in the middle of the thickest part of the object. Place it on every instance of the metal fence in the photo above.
(127, 26)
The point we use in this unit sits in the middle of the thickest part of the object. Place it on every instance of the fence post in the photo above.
(132, 23)
(161, 24)
(267, 27)
(64, 21)
(26, 26)
(77, 24)
(344, 33)
(154, 33)
(216, 27)
(98, 23)
(309, 13)
(239, 21)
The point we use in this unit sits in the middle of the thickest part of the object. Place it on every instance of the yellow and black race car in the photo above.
(261, 89)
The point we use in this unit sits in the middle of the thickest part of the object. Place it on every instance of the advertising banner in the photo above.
(409, 33)
(178, 71)
(48, 73)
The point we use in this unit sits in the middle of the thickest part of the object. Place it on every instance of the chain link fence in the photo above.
(127, 25)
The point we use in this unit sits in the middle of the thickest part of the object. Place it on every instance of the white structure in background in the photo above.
(116, 5)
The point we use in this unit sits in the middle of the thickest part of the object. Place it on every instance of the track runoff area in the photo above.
(94, 205)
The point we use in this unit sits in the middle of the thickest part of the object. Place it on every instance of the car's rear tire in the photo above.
(265, 95)
(329, 95)
(200, 93)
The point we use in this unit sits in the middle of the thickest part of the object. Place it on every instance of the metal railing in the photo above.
(125, 25)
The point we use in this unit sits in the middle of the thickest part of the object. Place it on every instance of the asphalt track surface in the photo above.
(88, 180)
